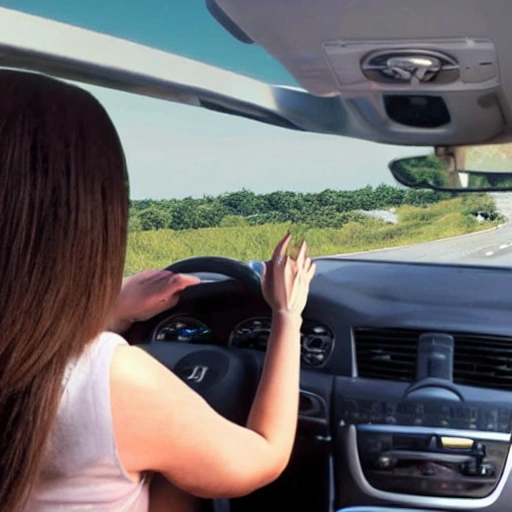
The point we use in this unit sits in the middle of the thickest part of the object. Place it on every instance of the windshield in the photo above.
(207, 183)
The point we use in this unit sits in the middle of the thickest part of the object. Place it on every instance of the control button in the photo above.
(390, 420)
(473, 468)
(385, 462)
(479, 450)
(487, 470)
(461, 443)
(419, 413)
(469, 468)
(491, 419)
(433, 444)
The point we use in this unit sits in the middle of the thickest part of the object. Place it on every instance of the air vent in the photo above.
(479, 360)
(386, 353)
(483, 361)
(317, 344)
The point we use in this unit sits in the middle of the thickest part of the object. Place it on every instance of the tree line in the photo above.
(329, 208)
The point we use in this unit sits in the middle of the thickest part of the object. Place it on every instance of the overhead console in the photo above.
(430, 65)
(406, 73)
(417, 85)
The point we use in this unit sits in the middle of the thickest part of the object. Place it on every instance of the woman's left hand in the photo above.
(146, 294)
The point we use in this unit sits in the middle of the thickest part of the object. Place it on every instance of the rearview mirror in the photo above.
(460, 168)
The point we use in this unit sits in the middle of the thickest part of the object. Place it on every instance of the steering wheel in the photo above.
(219, 265)
(226, 377)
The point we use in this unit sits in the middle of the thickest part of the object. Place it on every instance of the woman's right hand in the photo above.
(285, 281)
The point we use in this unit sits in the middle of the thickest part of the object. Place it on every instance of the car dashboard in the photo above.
(406, 380)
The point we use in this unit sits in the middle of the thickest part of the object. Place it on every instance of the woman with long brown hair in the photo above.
(84, 417)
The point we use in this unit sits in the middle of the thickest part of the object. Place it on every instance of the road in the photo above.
(492, 247)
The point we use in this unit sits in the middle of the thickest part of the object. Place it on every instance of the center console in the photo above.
(422, 453)
(432, 462)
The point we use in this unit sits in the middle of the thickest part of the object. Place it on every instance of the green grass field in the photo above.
(159, 248)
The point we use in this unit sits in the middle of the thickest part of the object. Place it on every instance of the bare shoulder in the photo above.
(141, 387)
(132, 366)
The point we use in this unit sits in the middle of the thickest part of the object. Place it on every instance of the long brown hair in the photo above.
(63, 223)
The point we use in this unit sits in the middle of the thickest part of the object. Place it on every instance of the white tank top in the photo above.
(82, 470)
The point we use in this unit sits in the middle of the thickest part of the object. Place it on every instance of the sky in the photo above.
(175, 150)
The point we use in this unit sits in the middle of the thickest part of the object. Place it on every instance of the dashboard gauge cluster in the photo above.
(317, 340)
(184, 329)
(251, 333)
